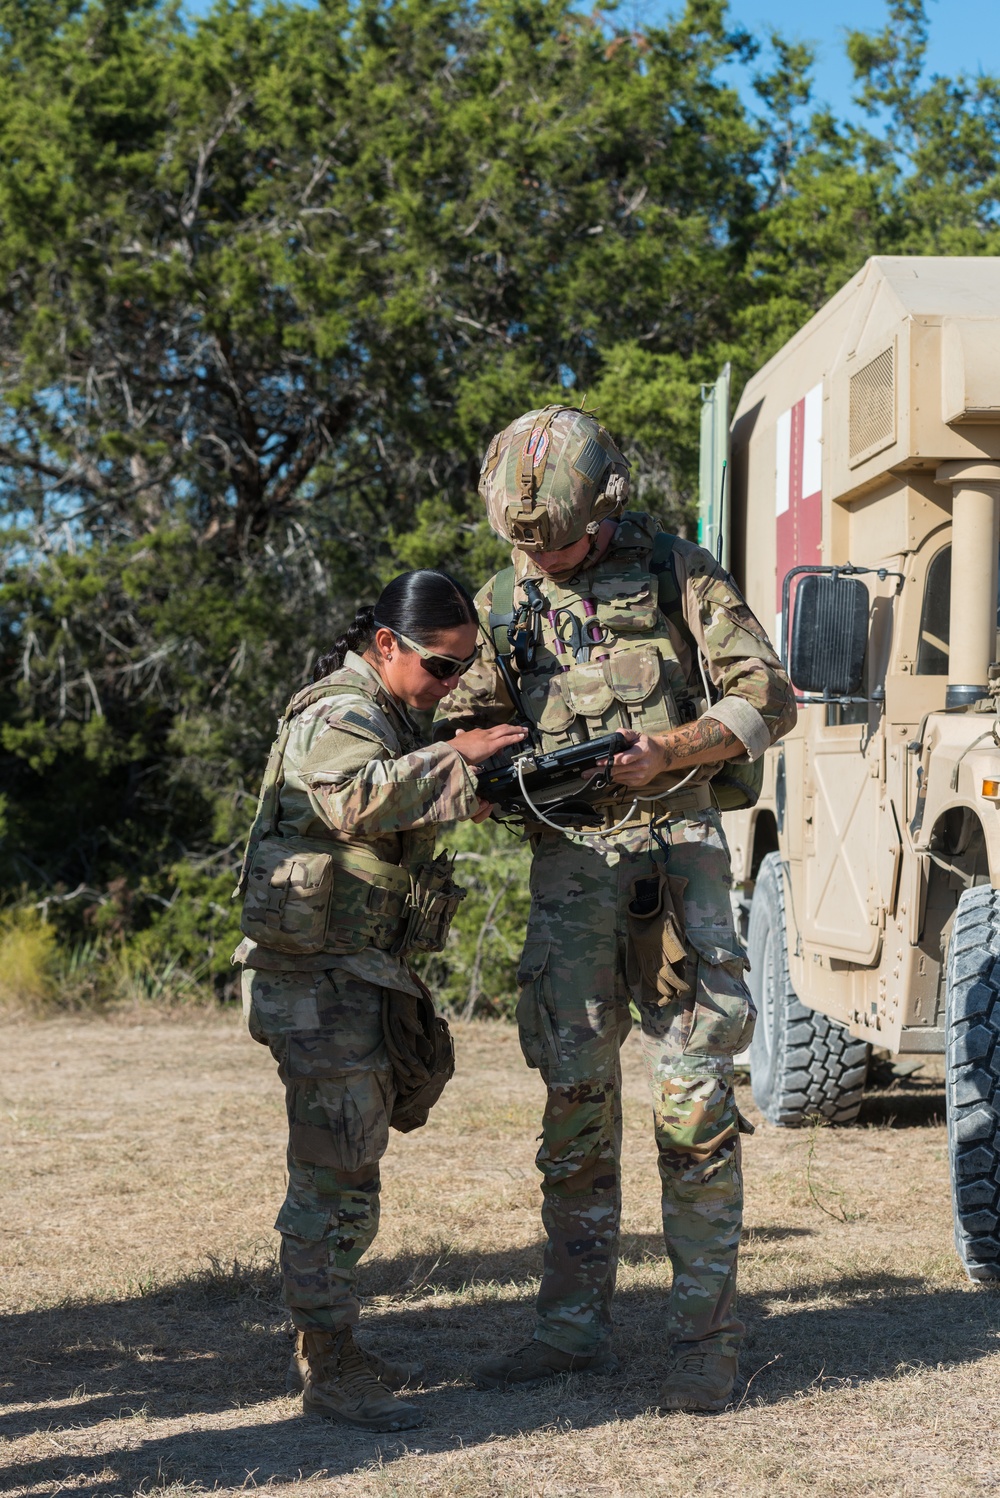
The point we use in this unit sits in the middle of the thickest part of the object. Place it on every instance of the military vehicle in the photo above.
(864, 479)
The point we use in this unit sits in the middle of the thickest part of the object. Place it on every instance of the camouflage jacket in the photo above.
(754, 696)
(356, 770)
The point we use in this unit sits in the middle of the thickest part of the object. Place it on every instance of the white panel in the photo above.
(812, 443)
(782, 461)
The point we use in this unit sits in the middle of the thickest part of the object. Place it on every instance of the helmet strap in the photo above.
(533, 456)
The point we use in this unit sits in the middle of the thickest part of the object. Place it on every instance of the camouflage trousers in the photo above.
(324, 1030)
(573, 1014)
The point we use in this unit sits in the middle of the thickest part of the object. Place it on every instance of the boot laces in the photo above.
(353, 1371)
(698, 1360)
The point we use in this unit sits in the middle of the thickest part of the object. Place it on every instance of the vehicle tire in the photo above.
(803, 1065)
(972, 1086)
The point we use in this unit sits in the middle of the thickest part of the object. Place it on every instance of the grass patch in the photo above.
(143, 1344)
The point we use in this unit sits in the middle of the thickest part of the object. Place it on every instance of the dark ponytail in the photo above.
(419, 604)
(357, 637)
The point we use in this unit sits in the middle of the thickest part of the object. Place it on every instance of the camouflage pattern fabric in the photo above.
(551, 475)
(356, 770)
(573, 1014)
(573, 1011)
(324, 1030)
(756, 701)
(357, 765)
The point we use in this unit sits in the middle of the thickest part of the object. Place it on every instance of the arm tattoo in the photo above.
(694, 738)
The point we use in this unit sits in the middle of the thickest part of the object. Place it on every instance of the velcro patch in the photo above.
(592, 461)
(356, 720)
(537, 446)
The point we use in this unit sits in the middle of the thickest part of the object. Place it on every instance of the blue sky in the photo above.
(964, 34)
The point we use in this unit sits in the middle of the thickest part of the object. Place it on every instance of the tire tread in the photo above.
(972, 1024)
(817, 1069)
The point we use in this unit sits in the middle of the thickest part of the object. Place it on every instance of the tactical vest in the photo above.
(620, 613)
(308, 895)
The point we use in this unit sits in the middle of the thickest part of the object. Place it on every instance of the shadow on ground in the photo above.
(216, 1345)
(910, 1103)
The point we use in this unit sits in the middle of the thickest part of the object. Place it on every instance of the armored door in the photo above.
(850, 852)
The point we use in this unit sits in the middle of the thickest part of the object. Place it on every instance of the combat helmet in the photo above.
(551, 477)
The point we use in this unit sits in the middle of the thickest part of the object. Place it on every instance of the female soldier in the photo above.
(339, 884)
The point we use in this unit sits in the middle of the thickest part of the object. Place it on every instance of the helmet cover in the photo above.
(551, 477)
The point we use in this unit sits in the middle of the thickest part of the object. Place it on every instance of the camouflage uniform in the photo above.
(579, 967)
(355, 776)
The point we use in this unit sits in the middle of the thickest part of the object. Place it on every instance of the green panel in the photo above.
(713, 504)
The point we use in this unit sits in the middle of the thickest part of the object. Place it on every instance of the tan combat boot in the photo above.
(701, 1379)
(390, 1374)
(537, 1360)
(338, 1384)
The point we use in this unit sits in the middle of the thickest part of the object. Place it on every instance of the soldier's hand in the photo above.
(485, 807)
(480, 744)
(641, 762)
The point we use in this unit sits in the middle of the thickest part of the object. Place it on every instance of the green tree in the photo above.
(268, 283)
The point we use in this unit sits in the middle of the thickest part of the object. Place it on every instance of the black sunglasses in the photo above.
(439, 666)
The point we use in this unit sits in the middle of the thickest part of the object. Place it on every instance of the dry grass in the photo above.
(145, 1346)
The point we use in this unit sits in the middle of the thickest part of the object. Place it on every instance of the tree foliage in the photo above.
(268, 282)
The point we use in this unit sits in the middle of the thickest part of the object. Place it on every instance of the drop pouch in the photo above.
(421, 1054)
(656, 958)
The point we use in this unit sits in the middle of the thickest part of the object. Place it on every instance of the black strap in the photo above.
(668, 596)
(502, 610)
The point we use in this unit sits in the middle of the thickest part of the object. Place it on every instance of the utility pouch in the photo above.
(430, 908)
(656, 959)
(286, 906)
(738, 784)
(421, 1054)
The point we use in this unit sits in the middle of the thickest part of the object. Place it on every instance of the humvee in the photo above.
(864, 479)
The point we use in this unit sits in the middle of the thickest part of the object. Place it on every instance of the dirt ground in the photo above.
(144, 1345)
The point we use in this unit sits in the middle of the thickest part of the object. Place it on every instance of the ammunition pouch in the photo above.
(305, 896)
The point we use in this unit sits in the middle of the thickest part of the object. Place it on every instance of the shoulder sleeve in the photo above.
(358, 782)
(756, 702)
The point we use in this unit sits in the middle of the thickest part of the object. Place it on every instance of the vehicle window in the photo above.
(932, 652)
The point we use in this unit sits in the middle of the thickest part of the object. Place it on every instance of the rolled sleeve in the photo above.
(745, 721)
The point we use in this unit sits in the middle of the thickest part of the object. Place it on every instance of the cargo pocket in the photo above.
(300, 1222)
(536, 1025)
(548, 706)
(723, 1016)
(336, 1118)
(287, 902)
(589, 693)
(626, 605)
(656, 962)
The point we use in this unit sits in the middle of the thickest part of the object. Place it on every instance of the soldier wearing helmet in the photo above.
(605, 622)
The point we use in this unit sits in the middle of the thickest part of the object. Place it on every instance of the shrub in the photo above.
(28, 959)
(475, 974)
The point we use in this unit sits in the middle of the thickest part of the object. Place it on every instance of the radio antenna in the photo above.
(722, 513)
